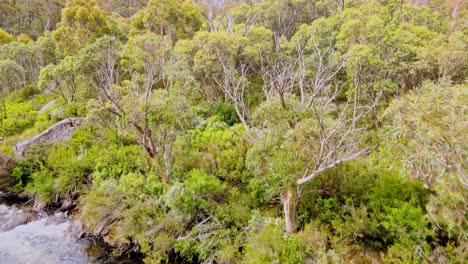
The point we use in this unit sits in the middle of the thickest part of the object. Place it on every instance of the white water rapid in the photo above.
(46, 240)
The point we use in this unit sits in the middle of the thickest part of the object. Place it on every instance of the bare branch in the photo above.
(334, 163)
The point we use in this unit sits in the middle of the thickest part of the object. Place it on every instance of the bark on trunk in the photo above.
(289, 199)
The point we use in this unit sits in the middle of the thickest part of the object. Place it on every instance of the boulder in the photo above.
(78, 229)
(47, 106)
(7, 164)
(57, 132)
(103, 229)
(67, 205)
(18, 218)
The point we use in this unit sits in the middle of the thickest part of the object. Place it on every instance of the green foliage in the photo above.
(398, 207)
(194, 195)
(270, 245)
(42, 186)
(174, 18)
(30, 17)
(48, 49)
(201, 116)
(11, 77)
(114, 161)
(226, 112)
(32, 163)
(82, 22)
(17, 117)
(213, 149)
(25, 55)
(425, 125)
(5, 37)
(63, 79)
(62, 173)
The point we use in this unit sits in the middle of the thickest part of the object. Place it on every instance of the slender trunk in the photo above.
(148, 143)
(289, 199)
(4, 110)
(456, 6)
(211, 20)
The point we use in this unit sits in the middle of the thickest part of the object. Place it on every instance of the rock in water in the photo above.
(11, 217)
(58, 131)
(6, 166)
(46, 240)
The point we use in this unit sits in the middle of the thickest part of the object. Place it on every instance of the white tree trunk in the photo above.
(289, 199)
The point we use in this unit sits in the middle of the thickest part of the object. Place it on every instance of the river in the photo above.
(48, 239)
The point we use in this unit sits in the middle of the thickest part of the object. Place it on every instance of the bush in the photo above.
(113, 160)
(212, 149)
(71, 169)
(35, 160)
(271, 245)
(42, 186)
(19, 116)
(397, 206)
(196, 192)
(51, 170)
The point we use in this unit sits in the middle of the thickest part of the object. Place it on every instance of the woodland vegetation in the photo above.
(274, 131)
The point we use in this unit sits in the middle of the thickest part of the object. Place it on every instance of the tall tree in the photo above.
(82, 22)
(174, 18)
(426, 132)
(12, 78)
(63, 79)
(131, 84)
(24, 54)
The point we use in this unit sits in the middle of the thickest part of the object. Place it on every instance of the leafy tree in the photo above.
(82, 22)
(337, 139)
(24, 54)
(426, 133)
(146, 57)
(156, 115)
(177, 19)
(283, 17)
(11, 78)
(63, 79)
(48, 50)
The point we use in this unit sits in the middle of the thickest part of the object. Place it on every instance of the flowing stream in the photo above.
(46, 240)
(29, 238)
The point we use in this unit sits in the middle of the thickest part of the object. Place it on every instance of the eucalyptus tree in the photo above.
(47, 50)
(64, 79)
(82, 22)
(283, 18)
(306, 127)
(217, 13)
(425, 131)
(124, 8)
(24, 54)
(12, 78)
(174, 18)
(303, 126)
(131, 83)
